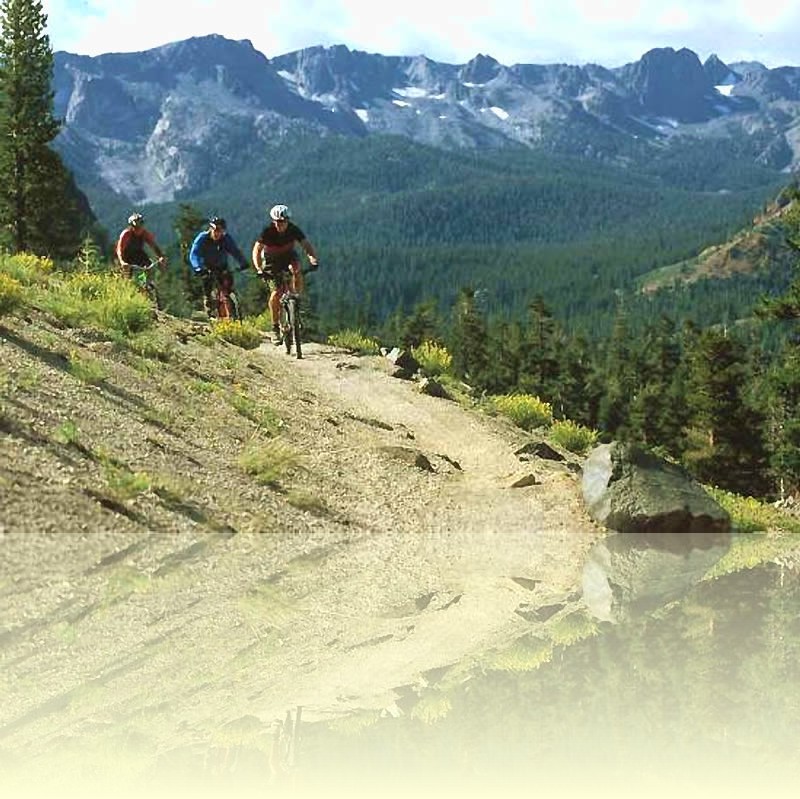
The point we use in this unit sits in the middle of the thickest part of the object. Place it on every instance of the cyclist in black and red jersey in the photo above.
(133, 239)
(274, 254)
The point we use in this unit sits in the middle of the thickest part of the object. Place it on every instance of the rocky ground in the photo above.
(195, 538)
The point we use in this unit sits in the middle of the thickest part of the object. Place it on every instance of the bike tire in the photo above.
(236, 311)
(286, 333)
(293, 318)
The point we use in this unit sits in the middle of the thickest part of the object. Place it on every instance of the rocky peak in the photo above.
(670, 83)
(719, 73)
(480, 69)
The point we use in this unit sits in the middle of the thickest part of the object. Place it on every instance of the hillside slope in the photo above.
(160, 600)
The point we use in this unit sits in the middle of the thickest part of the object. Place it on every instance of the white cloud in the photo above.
(608, 32)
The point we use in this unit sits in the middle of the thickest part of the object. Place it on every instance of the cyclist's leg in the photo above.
(276, 291)
(209, 306)
(224, 287)
(298, 282)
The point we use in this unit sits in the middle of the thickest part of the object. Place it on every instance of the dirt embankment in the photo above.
(152, 584)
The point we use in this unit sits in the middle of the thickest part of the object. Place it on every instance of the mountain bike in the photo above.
(142, 277)
(227, 300)
(291, 322)
(290, 319)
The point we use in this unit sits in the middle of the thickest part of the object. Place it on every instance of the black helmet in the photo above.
(217, 222)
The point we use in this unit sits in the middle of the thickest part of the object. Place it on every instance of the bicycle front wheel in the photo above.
(286, 330)
(293, 320)
(235, 309)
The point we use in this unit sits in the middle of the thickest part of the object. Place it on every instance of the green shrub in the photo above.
(153, 344)
(123, 309)
(525, 410)
(572, 628)
(87, 370)
(433, 358)
(243, 334)
(27, 268)
(431, 708)
(126, 484)
(262, 415)
(85, 299)
(525, 654)
(354, 341)
(262, 322)
(749, 515)
(267, 461)
(572, 436)
(66, 433)
(11, 294)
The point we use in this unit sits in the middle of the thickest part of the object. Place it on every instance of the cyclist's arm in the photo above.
(150, 240)
(257, 256)
(196, 259)
(308, 247)
(232, 249)
(121, 243)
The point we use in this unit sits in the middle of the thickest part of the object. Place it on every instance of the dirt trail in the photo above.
(472, 550)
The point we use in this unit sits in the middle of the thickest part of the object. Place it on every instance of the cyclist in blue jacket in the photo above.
(208, 258)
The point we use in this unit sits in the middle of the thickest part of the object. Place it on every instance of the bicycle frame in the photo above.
(227, 300)
(142, 277)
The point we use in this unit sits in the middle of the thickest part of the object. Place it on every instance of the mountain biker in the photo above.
(208, 258)
(274, 255)
(130, 249)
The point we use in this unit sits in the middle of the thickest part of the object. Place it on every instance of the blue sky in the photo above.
(607, 32)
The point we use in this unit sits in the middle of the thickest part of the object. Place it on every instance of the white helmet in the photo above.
(278, 212)
(135, 219)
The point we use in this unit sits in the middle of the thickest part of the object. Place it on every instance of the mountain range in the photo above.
(170, 122)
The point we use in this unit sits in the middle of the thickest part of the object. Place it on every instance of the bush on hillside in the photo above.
(354, 341)
(433, 358)
(10, 294)
(572, 436)
(243, 334)
(525, 410)
(27, 268)
(105, 301)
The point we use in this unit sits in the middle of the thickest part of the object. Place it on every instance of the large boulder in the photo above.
(628, 574)
(632, 491)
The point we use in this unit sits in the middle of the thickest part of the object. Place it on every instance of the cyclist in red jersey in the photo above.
(274, 254)
(131, 244)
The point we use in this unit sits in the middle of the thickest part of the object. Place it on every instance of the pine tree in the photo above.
(40, 208)
(469, 348)
(539, 358)
(189, 292)
(657, 412)
(724, 437)
(423, 324)
(783, 421)
(619, 379)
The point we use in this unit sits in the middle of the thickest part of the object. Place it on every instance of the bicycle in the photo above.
(290, 319)
(228, 306)
(142, 277)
